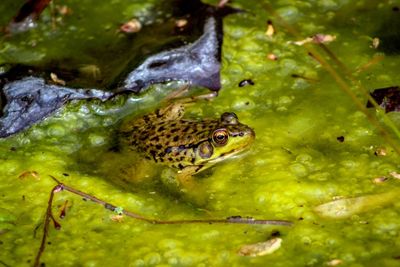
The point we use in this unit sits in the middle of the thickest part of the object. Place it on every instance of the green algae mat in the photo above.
(320, 159)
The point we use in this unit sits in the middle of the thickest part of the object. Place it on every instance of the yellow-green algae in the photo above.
(296, 163)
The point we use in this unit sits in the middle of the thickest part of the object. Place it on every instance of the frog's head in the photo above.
(226, 140)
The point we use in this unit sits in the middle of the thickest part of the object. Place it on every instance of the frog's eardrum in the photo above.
(26, 101)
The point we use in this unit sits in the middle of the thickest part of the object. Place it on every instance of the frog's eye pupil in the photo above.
(220, 137)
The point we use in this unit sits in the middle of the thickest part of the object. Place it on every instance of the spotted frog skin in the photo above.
(188, 146)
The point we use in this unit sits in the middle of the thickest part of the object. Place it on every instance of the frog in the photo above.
(186, 146)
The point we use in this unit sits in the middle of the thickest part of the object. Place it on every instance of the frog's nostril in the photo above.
(251, 132)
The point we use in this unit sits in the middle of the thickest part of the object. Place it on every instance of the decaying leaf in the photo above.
(57, 80)
(379, 180)
(318, 39)
(395, 175)
(346, 207)
(27, 174)
(30, 100)
(272, 56)
(197, 63)
(375, 42)
(270, 29)
(261, 248)
(380, 151)
(180, 23)
(131, 26)
(334, 262)
(117, 218)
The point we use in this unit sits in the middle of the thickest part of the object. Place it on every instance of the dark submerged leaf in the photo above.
(388, 98)
(29, 100)
(197, 63)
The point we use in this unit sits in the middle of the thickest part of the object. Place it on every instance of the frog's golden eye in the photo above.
(220, 137)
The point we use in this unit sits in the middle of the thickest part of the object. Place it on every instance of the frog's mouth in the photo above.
(229, 154)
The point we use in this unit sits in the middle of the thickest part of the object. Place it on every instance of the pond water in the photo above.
(315, 143)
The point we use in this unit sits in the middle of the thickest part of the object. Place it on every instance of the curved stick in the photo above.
(60, 187)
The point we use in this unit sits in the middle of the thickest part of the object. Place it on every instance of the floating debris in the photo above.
(380, 151)
(56, 80)
(387, 98)
(318, 39)
(27, 174)
(272, 57)
(379, 180)
(395, 175)
(117, 218)
(340, 139)
(245, 82)
(270, 29)
(261, 248)
(334, 262)
(375, 42)
(346, 207)
(180, 23)
(323, 38)
(131, 26)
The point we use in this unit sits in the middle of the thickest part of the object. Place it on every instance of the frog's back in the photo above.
(170, 142)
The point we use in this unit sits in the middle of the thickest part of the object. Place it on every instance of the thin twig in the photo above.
(60, 187)
(109, 206)
(47, 218)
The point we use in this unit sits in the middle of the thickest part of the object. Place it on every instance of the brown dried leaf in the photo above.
(26, 174)
(131, 26)
(261, 248)
(56, 80)
(395, 175)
